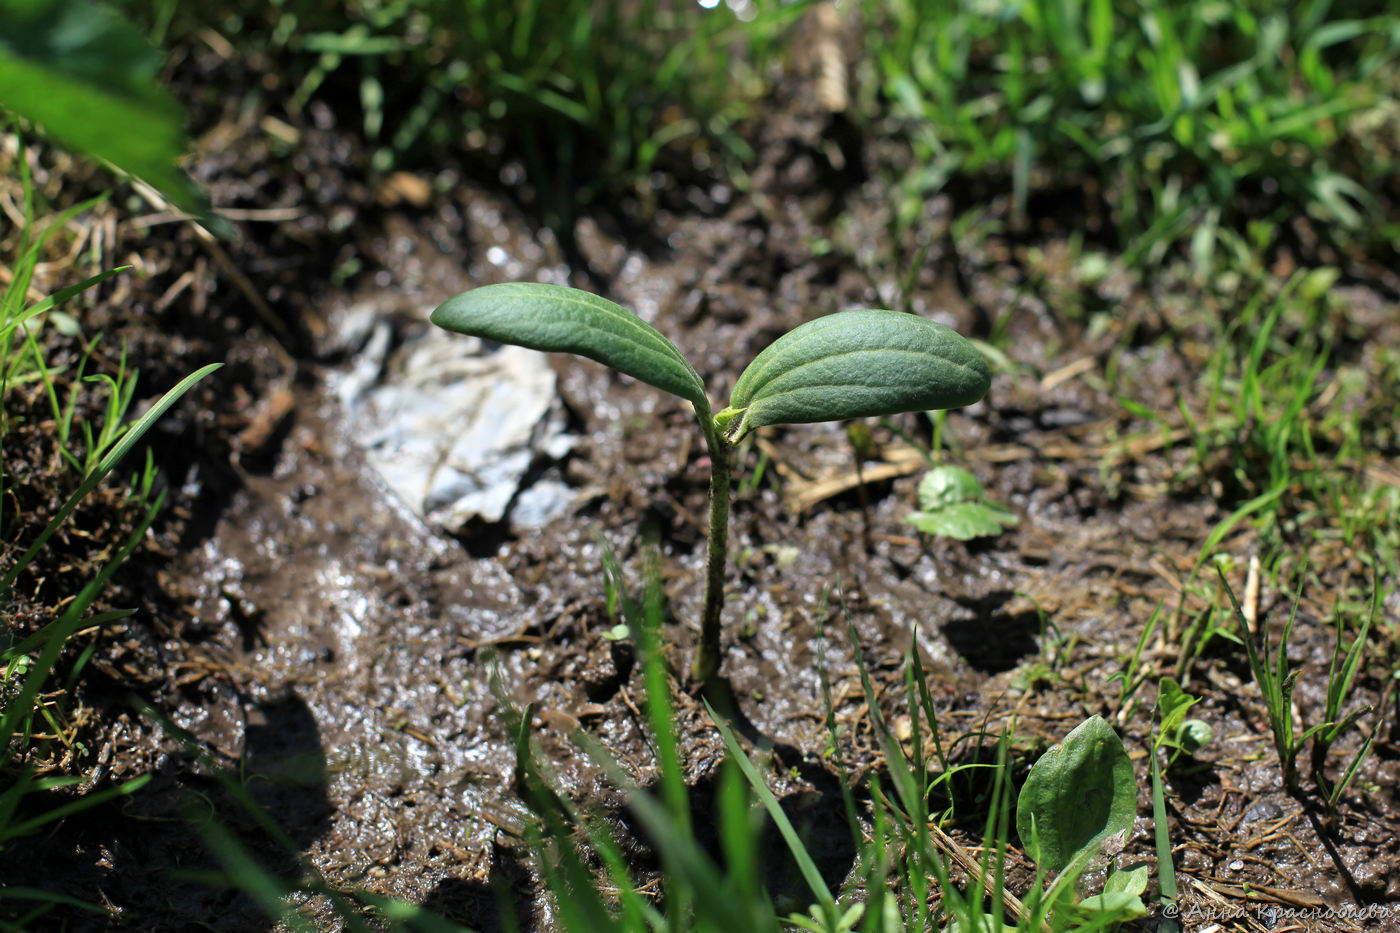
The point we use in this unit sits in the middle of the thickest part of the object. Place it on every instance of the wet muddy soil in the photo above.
(348, 656)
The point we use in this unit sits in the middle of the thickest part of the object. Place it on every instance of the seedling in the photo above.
(1162, 842)
(1175, 732)
(1177, 735)
(1276, 677)
(952, 505)
(851, 364)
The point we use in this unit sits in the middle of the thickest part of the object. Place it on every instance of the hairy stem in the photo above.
(707, 656)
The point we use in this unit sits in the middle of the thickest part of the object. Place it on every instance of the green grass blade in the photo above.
(243, 872)
(1230, 521)
(15, 830)
(739, 832)
(685, 861)
(660, 711)
(241, 869)
(63, 294)
(1340, 677)
(48, 897)
(1166, 870)
(1336, 793)
(810, 873)
(129, 440)
(403, 915)
(37, 639)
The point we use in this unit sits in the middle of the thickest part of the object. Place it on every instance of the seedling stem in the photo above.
(707, 656)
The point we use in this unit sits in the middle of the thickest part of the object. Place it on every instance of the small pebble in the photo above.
(1263, 810)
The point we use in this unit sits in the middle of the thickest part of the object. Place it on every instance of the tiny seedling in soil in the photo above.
(1172, 704)
(952, 505)
(1276, 677)
(1176, 733)
(852, 364)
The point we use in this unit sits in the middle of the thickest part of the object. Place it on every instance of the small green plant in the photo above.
(851, 364)
(1078, 795)
(952, 505)
(1276, 678)
(1180, 736)
(1175, 732)
(1162, 843)
(1341, 675)
(120, 391)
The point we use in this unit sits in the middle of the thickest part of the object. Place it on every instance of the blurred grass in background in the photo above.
(1183, 119)
(1174, 124)
(591, 96)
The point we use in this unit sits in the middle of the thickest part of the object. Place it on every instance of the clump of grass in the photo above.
(1192, 117)
(1256, 433)
(1286, 425)
(590, 97)
(1276, 678)
(34, 732)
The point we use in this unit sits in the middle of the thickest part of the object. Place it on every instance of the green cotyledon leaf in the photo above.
(855, 364)
(567, 320)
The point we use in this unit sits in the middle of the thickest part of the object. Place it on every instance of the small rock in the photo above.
(1263, 810)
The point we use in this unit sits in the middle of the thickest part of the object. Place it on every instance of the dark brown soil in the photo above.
(347, 663)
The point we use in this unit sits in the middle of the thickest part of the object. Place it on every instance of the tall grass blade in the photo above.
(810, 873)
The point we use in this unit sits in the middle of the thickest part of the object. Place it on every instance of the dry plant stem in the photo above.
(707, 656)
(969, 863)
(275, 324)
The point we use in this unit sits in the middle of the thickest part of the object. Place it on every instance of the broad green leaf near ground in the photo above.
(87, 78)
(1078, 794)
(952, 505)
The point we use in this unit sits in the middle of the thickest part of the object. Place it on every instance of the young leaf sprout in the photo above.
(851, 364)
